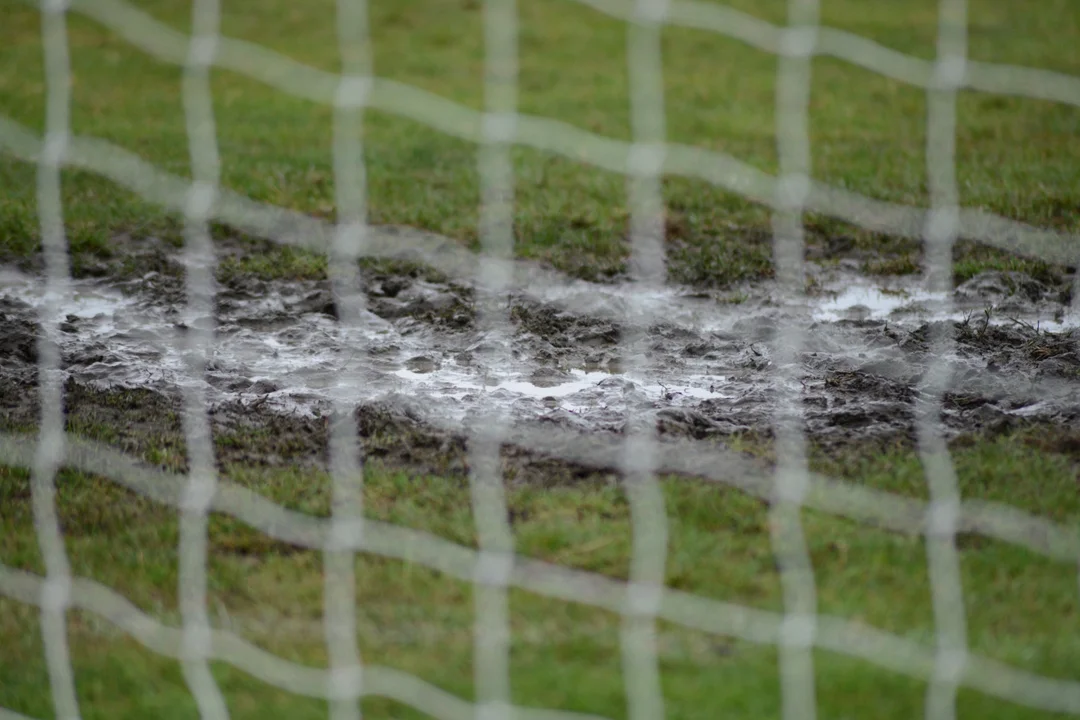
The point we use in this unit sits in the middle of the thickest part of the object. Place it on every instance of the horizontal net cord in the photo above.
(839, 635)
(876, 508)
(290, 227)
(168, 641)
(167, 43)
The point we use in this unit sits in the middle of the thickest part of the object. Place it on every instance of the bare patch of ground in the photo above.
(418, 368)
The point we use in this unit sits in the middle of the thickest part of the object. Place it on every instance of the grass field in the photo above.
(1016, 157)
(868, 132)
(1022, 609)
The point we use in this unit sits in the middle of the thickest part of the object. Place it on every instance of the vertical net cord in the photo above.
(346, 463)
(56, 591)
(198, 257)
(648, 514)
(793, 90)
(940, 235)
(491, 625)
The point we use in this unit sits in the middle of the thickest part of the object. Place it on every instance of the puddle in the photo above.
(279, 344)
(907, 302)
(869, 302)
(301, 362)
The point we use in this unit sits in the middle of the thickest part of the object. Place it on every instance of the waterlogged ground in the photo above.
(420, 363)
(415, 371)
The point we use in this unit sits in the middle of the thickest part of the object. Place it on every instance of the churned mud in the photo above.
(423, 362)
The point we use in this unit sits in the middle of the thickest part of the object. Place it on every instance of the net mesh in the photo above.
(494, 567)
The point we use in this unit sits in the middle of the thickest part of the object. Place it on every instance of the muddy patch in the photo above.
(417, 369)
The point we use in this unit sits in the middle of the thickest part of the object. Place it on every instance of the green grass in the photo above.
(1022, 609)
(1015, 156)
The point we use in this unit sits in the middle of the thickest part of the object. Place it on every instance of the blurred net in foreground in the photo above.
(494, 567)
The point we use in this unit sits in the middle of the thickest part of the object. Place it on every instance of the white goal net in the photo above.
(494, 568)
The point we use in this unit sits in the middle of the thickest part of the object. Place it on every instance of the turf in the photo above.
(1016, 158)
(1021, 609)
(868, 132)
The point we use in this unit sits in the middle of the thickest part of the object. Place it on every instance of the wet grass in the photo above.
(1021, 608)
(1014, 158)
(868, 132)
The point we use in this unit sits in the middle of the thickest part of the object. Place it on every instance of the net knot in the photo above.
(202, 50)
(949, 72)
(352, 91)
(56, 593)
(798, 630)
(493, 710)
(200, 201)
(942, 517)
(942, 223)
(792, 487)
(494, 568)
(345, 682)
(346, 533)
(199, 494)
(799, 41)
(651, 11)
(197, 642)
(499, 127)
(949, 665)
(646, 159)
(54, 149)
(643, 599)
(792, 189)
